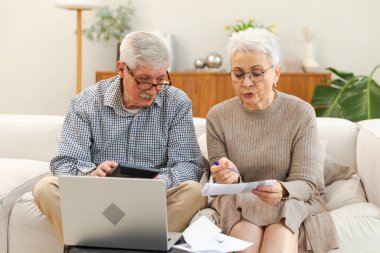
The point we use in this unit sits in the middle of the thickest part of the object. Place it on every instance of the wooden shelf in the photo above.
(206, 89)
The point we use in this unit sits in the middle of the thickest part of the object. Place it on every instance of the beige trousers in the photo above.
(183, 202)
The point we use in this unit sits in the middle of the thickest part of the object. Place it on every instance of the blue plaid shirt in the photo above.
(98, 128)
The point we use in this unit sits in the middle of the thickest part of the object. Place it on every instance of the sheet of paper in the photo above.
(204, 236)
(200, 231)
(230, 243)
(222, 243)
(210, 189)
(186, 247)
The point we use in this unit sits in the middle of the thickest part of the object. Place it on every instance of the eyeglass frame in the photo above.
(250, 75)
(164, 83)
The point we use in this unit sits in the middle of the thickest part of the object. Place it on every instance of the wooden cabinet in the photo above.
(206, 89)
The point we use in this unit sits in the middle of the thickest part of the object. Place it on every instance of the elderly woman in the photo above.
(265, 134)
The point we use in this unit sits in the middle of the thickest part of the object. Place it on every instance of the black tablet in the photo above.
(129, 170)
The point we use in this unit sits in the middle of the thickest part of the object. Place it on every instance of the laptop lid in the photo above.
(126, 213)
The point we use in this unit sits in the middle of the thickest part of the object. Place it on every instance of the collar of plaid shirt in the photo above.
(114, 99)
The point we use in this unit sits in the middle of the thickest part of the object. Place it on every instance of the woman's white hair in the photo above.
(255, 40)
(144, 48)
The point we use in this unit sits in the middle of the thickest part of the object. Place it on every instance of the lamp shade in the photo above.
(78, 4)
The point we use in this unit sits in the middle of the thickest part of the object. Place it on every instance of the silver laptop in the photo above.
(111, 212)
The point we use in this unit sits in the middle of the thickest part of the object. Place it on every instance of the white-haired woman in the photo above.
(265, 134)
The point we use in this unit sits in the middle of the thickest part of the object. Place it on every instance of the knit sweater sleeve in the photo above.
(215, 136)
(301, 181)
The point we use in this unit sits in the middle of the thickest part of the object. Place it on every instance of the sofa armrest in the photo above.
(17, 177)
(368, 158)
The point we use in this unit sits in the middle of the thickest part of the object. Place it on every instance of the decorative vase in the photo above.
(309, 64)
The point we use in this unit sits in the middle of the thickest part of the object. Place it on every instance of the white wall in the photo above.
(38, 43)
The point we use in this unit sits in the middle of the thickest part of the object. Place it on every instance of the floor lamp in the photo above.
(78, 6)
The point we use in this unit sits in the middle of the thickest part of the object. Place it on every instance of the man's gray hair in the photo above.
(255, 40)
(144, 48)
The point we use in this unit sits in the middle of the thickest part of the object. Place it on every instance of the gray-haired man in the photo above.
(136, 117)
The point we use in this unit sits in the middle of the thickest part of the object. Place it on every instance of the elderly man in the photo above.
(138, 118)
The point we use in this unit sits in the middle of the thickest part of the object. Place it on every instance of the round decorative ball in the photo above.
(199, 63)
(213, 60)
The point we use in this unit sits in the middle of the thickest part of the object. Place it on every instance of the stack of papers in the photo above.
(210, 189)
(204, 236)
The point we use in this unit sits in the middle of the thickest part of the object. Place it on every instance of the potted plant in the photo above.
(111, 24)
(241, 25)
(353, 97)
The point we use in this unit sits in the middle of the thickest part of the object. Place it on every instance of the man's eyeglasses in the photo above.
(255, 75)
(144, 84)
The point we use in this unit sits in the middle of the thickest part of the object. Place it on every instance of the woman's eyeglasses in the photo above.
(255, 75)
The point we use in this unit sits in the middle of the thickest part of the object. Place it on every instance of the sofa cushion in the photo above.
(344, 192)
(33, 137)
(368, 158)
(202, 141)
(17, 177)
(371, 125)
(200, 125)
(358, 228)
(320, 172)
(343, 186)
(334, 171)
(29, 226)
(203, 146)
(339, 133)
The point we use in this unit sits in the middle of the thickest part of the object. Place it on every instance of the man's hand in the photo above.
(104, 169)
(226, 172)
(271, 195)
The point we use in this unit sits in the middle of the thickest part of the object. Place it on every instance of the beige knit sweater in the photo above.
(279, 142)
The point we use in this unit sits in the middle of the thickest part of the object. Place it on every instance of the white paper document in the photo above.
(210, 189)
(204, 236)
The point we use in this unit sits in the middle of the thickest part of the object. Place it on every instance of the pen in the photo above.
(231, 169)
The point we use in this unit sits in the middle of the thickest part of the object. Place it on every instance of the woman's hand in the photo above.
(104, 169)
(271, 195)
(226, 172)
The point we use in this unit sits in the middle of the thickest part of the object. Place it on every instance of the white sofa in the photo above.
(27, 143)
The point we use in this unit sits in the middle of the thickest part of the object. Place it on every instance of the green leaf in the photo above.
(352, 97)
(373, 94)
(326, 112)
(354, 107)
(374, 104)
(341, 74)
(337, 82)
(324, 96)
